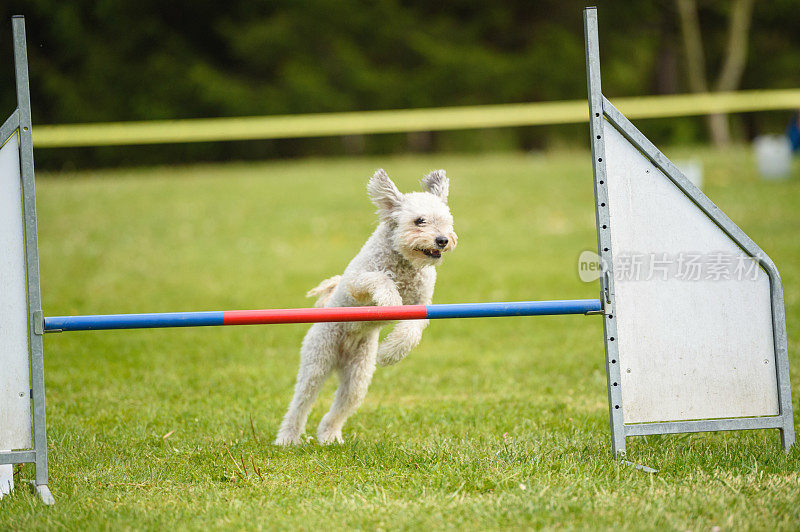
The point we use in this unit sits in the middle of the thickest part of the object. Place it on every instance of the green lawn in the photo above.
(488, 424)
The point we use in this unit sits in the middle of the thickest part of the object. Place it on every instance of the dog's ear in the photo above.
(384, 194)
(437, 184)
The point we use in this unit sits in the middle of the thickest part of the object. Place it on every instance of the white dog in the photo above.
(396, 266)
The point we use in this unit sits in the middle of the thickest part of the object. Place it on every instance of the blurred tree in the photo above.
(735, 57)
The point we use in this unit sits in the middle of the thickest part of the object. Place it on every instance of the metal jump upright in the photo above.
(720, 358)
(21, 391)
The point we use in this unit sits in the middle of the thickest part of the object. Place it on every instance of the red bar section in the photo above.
(312, 315)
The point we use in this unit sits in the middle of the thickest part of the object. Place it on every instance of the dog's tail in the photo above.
(324, 290)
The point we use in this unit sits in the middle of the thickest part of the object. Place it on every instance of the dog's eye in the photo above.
(419, 221)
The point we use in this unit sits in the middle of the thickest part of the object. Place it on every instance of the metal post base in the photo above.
(640, 467)
(43, 492)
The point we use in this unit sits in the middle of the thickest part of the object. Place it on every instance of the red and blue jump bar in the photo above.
(313, 315)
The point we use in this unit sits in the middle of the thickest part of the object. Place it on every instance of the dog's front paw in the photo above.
(388, 299)
(286, 439)
(388, 354)
(330, 436)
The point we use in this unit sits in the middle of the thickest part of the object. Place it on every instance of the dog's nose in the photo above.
(441, 241)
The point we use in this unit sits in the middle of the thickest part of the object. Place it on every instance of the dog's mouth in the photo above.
(431, 253)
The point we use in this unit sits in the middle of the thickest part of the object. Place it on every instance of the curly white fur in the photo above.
(396, 266)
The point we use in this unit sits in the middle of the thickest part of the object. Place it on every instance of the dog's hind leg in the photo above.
(355, 376)
(317, 356)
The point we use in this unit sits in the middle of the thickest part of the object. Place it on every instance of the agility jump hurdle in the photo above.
(680, 356)
(314, 315)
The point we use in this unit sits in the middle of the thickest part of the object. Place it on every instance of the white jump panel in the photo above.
(693, 311)
(6, 479)
(15, 402)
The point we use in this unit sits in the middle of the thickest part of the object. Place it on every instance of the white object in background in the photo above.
(15, 381)
(692, 169)
(688, 348)
(6, 479)
(773, 156)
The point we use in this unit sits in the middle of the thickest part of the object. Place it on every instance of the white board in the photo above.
(6, 479)
(689, 348)
(15, 402)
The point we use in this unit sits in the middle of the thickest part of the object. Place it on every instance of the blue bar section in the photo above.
(513, 308)
(134, 321)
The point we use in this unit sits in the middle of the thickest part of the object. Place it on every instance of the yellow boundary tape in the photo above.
(398, 121)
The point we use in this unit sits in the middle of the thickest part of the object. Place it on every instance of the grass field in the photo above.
(490, 423)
